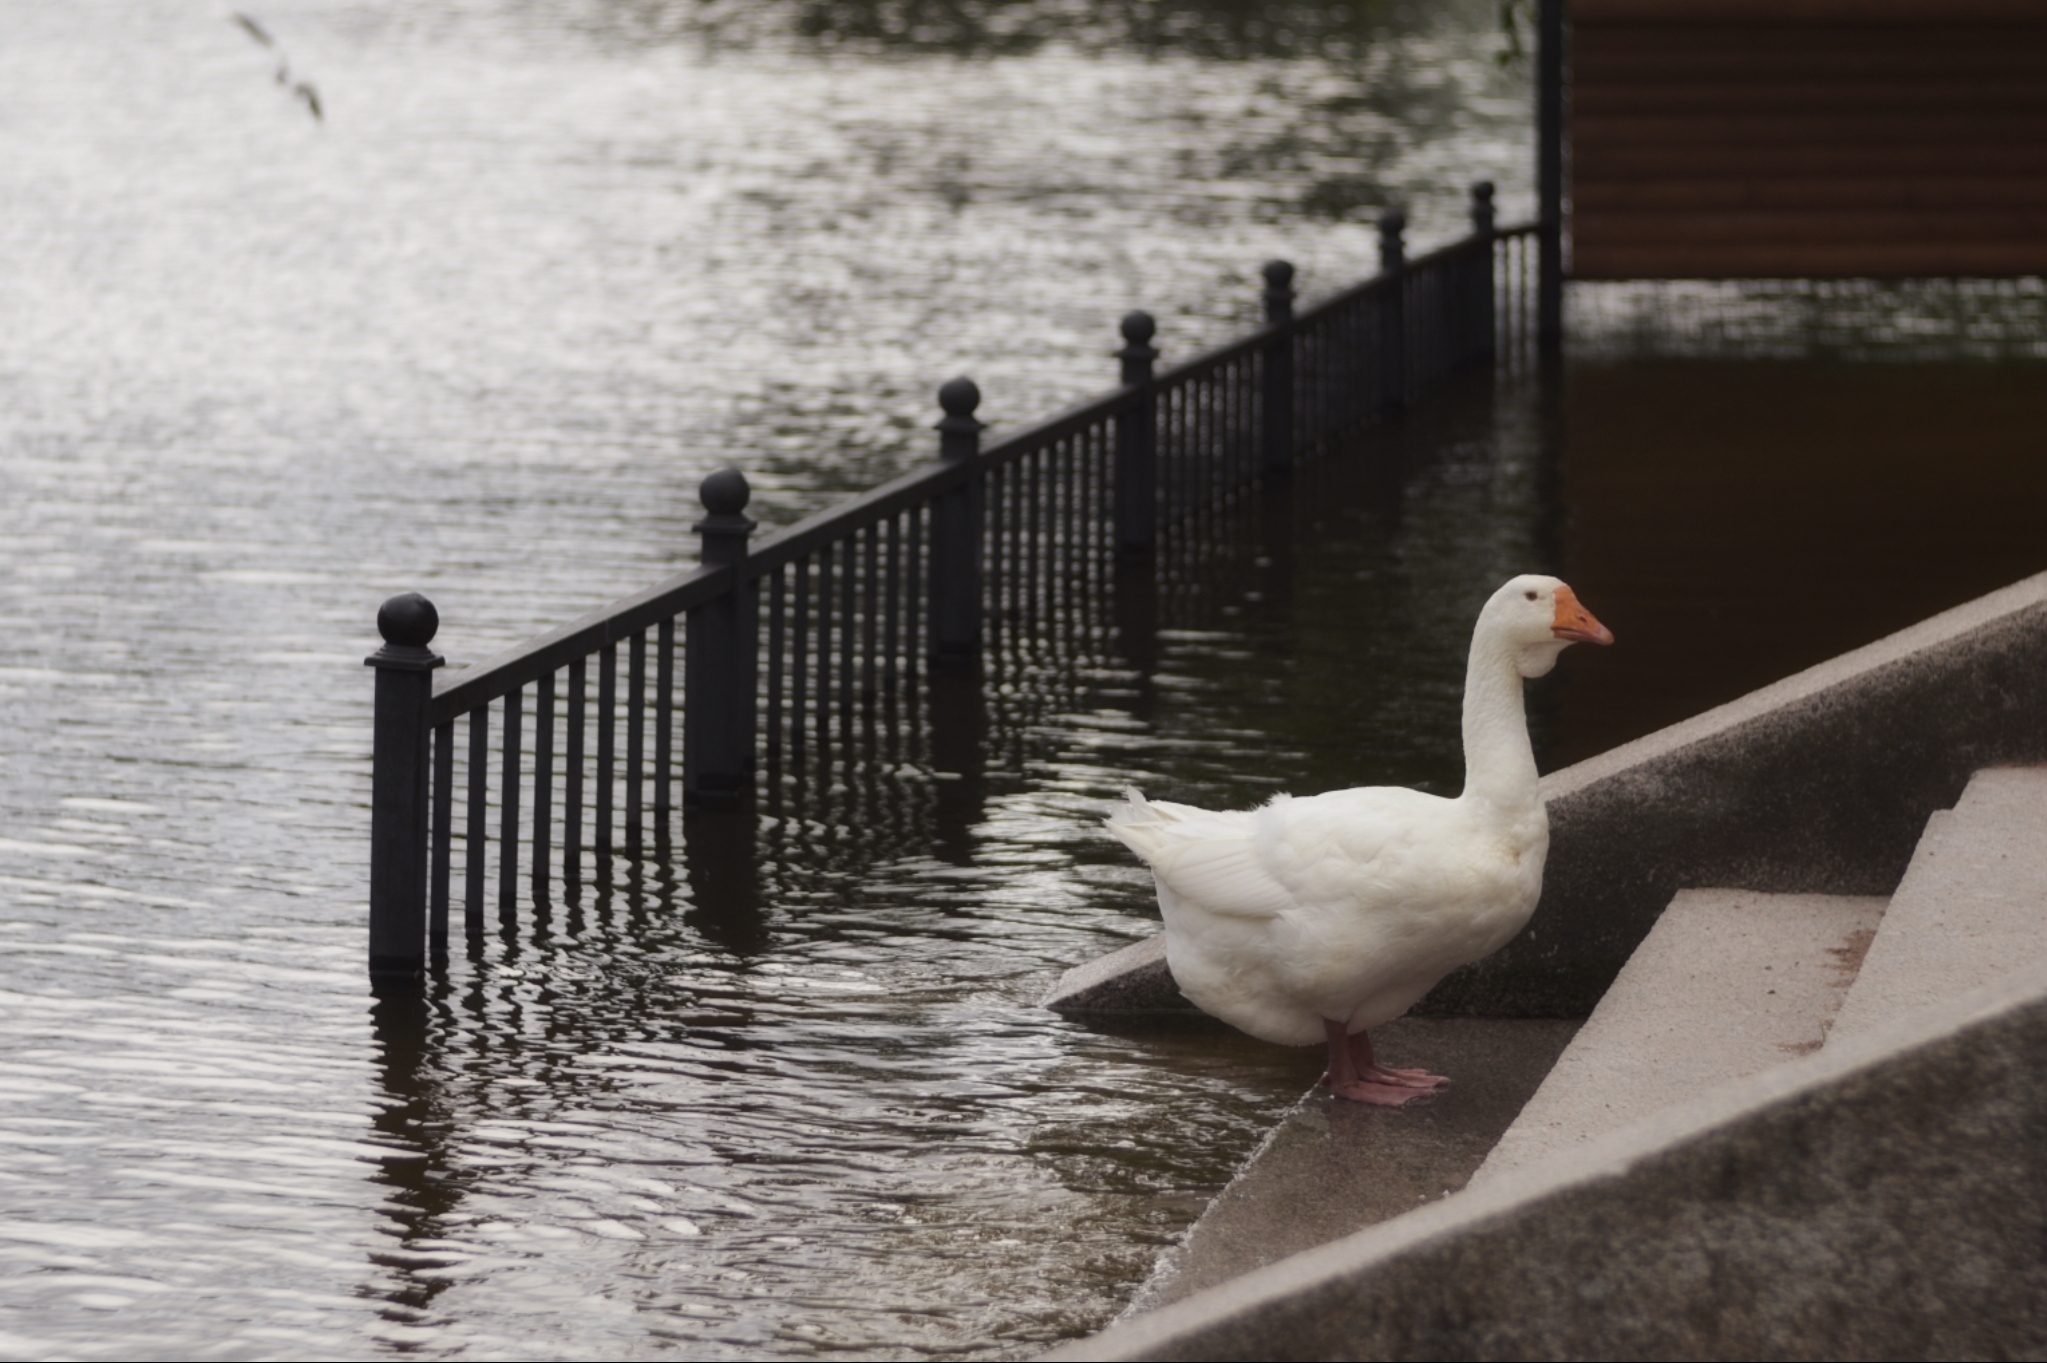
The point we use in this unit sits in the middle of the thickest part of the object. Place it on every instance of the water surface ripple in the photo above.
(478, 332)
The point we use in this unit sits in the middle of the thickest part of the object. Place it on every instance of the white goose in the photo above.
(1314, 919)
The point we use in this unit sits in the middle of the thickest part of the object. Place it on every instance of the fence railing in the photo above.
(838, 628)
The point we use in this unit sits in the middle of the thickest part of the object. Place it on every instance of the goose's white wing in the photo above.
(1203, 858)
(1377, 846)
(1323, 851)
(1317, 908)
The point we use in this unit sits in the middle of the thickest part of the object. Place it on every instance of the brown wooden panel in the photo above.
(1743, 54)
(1814, 192)
(1591, 165)
(1787, 260)
(1714, 228)
(1722, 138)
(1811, 129)
(1945, 94)
(1871, 13)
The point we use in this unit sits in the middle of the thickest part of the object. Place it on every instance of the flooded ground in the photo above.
(478, 331)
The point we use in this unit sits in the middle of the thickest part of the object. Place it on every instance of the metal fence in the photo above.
(835, 639)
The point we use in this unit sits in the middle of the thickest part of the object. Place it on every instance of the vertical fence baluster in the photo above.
(1060, 560)
(543, 788)
(1030, 498)
(572, 772)
(508, 814)
(1244, 461)
(635, 741)
(799, 707)
(1023, 488)
(849, 634)
(827, 578)
(664, 729)
(1034, 515)
(917, 625)
(892, 645)
(870, 624)
(777, 605)
(478, 823)
(607, 756)
(995, 490)
(444, 838)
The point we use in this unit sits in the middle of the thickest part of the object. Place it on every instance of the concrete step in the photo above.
(1331, 1167)
(1728, 983)
(1971, 907)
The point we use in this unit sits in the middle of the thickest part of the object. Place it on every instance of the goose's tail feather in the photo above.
(1133, 821)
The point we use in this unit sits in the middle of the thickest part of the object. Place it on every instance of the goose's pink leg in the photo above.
(1356, 1075)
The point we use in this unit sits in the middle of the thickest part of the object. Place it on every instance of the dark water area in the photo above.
(782, 1088)
(1739, 520)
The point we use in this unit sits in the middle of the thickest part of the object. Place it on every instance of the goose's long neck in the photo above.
(1499, 763)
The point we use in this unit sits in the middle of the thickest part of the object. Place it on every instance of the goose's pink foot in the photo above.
(1379, 1095)
(1353, 1073)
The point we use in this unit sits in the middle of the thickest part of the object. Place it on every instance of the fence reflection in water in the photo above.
(879, 635)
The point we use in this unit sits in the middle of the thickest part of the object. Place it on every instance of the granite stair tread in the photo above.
(1728, 984)
(1972, 905)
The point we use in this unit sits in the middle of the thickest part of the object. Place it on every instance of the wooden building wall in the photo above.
(1807, 138)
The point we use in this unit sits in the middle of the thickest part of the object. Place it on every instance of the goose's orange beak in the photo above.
(1575, 623)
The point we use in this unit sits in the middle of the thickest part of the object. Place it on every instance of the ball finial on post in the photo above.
(1392, 249)
(407, 622)
(959, 397)
(725, 492)
(1138, 352)
(724, 528)
(1279, 290)
(959, 431)
(1482, 208)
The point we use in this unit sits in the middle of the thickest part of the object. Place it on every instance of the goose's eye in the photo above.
(1530, 595)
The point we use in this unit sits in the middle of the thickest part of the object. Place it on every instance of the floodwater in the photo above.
(478, 331)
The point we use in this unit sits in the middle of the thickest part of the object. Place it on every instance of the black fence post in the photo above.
(400, 760)
(1278, 402)
(1137, 453)
(1482, 345)
(1393, 357)
(956, 535)
(718, 661)
(1549, 173)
